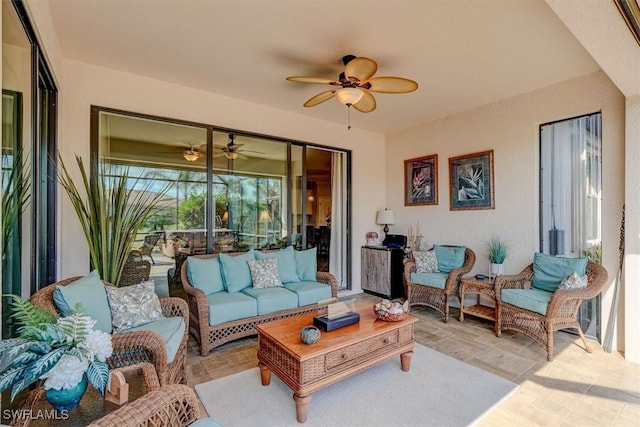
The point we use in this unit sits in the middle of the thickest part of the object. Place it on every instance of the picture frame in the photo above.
(471, 181)
(421, 181)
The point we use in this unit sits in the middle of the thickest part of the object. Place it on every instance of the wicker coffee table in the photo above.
(338, 354)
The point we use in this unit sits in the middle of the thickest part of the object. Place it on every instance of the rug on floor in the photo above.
(438, 391)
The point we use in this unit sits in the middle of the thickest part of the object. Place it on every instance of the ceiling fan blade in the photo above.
(303, 79)
(366, 104)
(392, 85)
(319, 98)
(361, 68)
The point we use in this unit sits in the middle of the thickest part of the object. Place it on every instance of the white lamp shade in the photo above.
(231, 155)
(264, 216)
(349, 95)
(385, 217)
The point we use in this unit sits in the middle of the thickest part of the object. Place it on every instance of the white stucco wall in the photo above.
(511, 129)
(85, 85)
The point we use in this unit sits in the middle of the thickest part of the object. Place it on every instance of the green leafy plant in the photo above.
(57, 349)
(112, 208)
(15, 195)
(498, 250)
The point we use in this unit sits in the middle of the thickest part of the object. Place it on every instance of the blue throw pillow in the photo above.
(307, 264)
(549, 271)
(205, 274)
(235, 271)
(449, 257)
(87, 294)
(286, 263)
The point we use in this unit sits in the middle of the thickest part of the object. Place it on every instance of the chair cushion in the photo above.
(271, 300)
(171, 329)
(235, 270)
(133, 305)
(535, 300)
(225, 307)
(205, 422)
(309, 292)
(307, 264)
(264, 273)
(426, 261)
(549, 271)
(449, 257)
(433, 280)
(91, 296)
(205, 274)
(286, 263)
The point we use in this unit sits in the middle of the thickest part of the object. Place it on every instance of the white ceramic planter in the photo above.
(495, 269)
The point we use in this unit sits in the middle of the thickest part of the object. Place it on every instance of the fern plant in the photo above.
(59, 350)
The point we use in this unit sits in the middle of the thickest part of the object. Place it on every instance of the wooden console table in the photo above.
(37, 411)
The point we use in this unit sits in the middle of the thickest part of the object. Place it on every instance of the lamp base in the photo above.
(386, 230)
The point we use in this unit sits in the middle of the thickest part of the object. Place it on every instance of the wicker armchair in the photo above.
(561, 312)
(150, 241)
(137, 346)
(173, 405)
(134, 271)
(433, 297)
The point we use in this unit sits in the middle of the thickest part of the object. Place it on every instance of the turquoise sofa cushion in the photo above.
(286, 263)
(225, 307)
(549, 271)
(309, 292)
(307, 264)
(235, 271)
(171, 329)
(449, 257)
(89, 295)
(434, 280)
(535, 300)
(205, 274)
(271, 300)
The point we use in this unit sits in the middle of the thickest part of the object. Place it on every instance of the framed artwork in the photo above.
(421, 181)
(471, 181)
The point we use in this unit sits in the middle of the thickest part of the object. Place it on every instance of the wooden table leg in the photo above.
(302, 406)
(405, 361)
(265, 374)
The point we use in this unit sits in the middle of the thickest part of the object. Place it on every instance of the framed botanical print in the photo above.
(471, 181)
(421, 181)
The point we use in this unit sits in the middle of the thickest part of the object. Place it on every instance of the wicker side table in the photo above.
(37, 411)
(480, 287)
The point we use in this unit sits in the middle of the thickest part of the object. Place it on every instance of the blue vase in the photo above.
(310, 335)
(67, 398)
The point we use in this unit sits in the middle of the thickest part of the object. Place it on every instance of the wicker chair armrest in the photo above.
(174, 404)
(125, 345)
(409, 267)
(196, 298)
(329, 279)
(513, 281)
(174, 307)
(597, 280)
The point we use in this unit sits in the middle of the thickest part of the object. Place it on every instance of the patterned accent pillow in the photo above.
(574, 281)
(264, 273)
(426, 261)
(133, 305)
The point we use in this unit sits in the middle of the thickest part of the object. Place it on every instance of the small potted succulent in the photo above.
(498, 251)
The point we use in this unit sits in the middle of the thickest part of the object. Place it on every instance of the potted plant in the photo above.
(66, 352)
(498, 251)
(112, 208)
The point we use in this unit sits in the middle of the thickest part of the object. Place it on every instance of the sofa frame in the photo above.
(210, 337)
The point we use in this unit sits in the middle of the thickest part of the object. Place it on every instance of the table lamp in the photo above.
(385, 217)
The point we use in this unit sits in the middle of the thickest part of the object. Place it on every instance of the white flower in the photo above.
(66, 373)
(98, 344)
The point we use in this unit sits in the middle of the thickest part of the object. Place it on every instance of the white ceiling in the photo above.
(463, 53)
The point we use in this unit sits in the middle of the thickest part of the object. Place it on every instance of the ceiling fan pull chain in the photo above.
(349, 116)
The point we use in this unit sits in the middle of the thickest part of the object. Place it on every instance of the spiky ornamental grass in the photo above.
(111, 208)
(498, 250)
(44, 340)
(15, 195)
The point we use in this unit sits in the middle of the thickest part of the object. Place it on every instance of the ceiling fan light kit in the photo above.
(356, 84)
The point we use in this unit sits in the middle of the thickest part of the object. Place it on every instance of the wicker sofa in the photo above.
(211, 332)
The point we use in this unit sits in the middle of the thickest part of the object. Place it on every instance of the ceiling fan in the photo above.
(355, 85)
(192, 154)
(232, 150)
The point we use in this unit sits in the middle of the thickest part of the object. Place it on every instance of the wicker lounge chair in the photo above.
(435, 297)
(150, 241)
(134, 271)
(561, 311)
(137, 346)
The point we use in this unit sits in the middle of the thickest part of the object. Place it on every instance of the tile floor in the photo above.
(576, 389)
